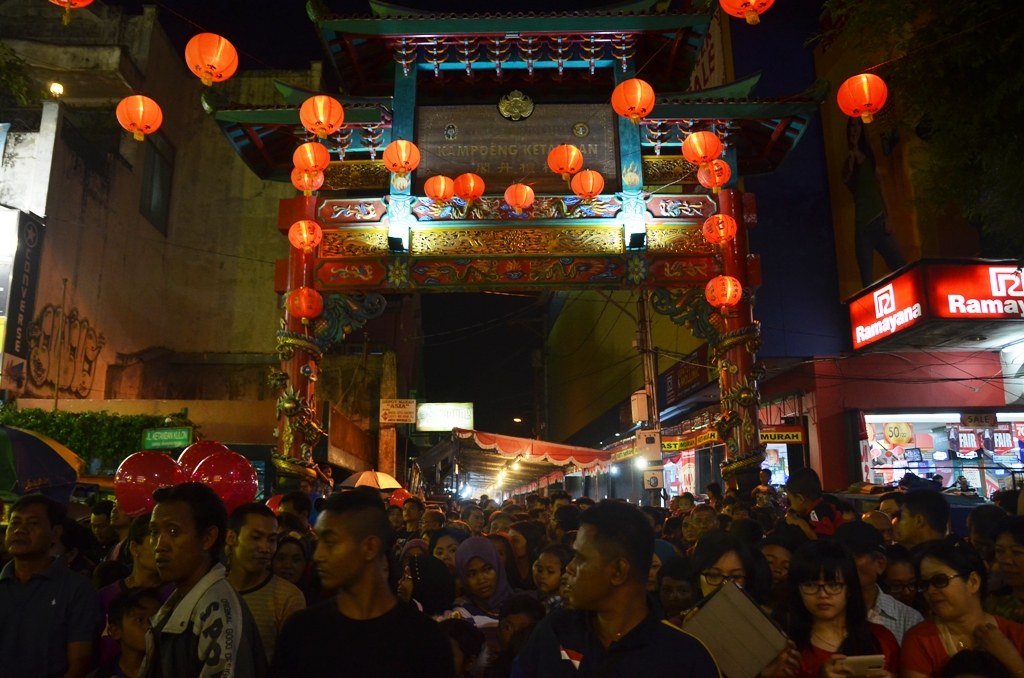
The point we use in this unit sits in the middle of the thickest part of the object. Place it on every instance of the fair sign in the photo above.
(966, 290)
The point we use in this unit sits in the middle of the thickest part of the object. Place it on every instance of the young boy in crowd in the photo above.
(127, 624)
(808, 509)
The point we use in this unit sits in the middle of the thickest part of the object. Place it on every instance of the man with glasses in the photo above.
(900, 580)
(868, 549)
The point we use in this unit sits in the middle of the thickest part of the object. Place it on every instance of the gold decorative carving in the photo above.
(516, 105)
(352, 174)
(666, 169)
(351, 242)
(678, 240)
(548, 240)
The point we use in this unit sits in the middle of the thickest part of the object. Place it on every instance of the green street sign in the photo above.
(166, 438)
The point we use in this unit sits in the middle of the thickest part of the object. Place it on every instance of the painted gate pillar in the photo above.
(300, 353)
(734, 352)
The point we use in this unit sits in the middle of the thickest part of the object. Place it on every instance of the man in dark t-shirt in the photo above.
(360, 624)
(612, 630)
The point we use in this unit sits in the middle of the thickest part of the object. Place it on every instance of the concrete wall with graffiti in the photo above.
(202, 284)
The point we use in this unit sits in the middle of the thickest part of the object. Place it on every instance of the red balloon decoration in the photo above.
(399, 496)
(305, 234)
(139, 475)
(439, 188)
(231, 476)
(587, 184)
(723, 291)
(862, 96)
(311, 156)
(750, 10)
(633, 99)
(719, 228)
(714, 175)
(194, 454)
(700, 148)
(307, 181)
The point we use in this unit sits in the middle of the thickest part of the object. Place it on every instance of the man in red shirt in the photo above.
(808, 510)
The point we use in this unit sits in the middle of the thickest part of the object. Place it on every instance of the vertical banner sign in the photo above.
(21, 303)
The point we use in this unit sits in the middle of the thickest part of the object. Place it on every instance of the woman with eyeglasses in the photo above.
(719, 557)
(952, 579)
(827, 618)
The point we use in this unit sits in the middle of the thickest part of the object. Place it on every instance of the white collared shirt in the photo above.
(893, 615)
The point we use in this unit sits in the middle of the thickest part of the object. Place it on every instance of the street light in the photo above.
(56, 89)
(518, 420)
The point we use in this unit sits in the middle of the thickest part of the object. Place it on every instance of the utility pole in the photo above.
(649, 357)
(645, 344)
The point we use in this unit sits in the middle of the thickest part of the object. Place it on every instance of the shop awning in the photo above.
(481, 456)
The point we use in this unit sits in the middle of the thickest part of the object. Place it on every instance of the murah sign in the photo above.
(930, 290)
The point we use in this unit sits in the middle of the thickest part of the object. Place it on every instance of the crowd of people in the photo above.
(536, 586)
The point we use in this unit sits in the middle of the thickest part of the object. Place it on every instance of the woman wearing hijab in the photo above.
(663, 552)
(484, 587)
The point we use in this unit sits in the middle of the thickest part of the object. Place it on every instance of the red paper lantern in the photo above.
(714, 175)
(746, 9)
(401, 157)
(633, 99)
(211, 57)
(566, 160)
(305, 235)
(321, 115)
(862, 96)
(305, 303)
(307, 181)
(700, 148)
(69, 5)
(139, 475)
(719, 228)
(231, 476)
(439, 188)
(723, 291)
(587, 184)
(469, 187)
(311, 156)
(194, 454)
(139, 115)
(519, 197)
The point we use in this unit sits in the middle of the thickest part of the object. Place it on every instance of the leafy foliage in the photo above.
(91, 435)
(953, 68)
(13, 81)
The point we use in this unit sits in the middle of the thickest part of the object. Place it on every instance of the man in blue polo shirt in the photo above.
(50, 616)
(612, 632)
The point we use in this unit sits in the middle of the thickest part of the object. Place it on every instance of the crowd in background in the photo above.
(354, 585)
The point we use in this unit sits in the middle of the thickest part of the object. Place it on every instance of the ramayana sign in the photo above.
(967, 290)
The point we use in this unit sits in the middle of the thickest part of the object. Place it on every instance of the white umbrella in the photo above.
(381, 481)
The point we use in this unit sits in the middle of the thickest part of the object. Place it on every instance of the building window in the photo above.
(155, 204)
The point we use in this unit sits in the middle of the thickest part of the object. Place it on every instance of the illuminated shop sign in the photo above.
(965, 290)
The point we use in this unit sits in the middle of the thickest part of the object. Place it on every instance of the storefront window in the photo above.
(938, 447)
